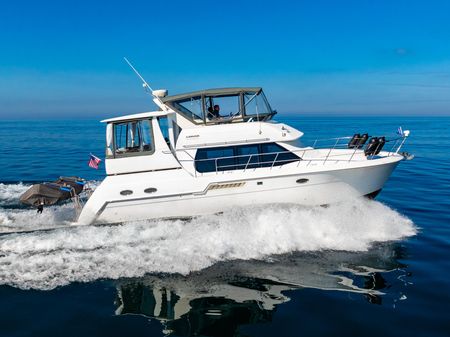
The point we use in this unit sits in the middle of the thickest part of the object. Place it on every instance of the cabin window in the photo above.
(242, 157)
(248, 156)
(272, 151)
(109, 141)
(164, 126)
(208, 159)
(133, 138)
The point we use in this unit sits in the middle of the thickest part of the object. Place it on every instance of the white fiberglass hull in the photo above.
(177, 194)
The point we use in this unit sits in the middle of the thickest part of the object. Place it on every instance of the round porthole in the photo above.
(150, 190)
(302, 181)
(126, 192)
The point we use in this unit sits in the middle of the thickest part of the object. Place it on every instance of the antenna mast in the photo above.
(146, 86)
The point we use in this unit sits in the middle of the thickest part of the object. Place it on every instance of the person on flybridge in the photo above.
(214, 112)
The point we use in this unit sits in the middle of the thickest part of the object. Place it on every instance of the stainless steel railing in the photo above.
(335, 153)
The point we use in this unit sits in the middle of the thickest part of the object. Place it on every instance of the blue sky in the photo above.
(62, 59)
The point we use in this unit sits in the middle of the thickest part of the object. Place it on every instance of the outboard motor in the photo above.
(357, 141)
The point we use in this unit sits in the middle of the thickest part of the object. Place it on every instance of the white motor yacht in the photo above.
(208, 151)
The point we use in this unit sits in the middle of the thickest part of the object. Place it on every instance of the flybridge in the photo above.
(213, 106)
(219, 106)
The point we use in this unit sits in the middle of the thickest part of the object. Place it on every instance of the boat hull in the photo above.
(222, 191)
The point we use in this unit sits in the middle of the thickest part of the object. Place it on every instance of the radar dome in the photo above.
(160, 93)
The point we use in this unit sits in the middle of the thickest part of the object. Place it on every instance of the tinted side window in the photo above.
(164, 126)
(208, 159)
(248, 156)
(242, 157)
(272, 151)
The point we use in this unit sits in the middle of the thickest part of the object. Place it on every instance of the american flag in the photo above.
(94, 161)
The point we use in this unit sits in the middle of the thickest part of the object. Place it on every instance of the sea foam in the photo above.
(45, 260)
(10, 193)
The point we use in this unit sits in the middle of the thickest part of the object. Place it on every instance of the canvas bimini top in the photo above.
(223, 105)
(211, 92)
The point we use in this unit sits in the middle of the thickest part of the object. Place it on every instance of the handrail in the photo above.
(248, 161)
(331, 155)
(270, 163)
(275, 160)
(334, 138)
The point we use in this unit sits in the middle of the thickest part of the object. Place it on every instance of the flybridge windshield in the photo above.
(215, 107)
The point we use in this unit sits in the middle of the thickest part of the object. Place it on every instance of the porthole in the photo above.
(150, 190)
(126, 192)
(302, 181)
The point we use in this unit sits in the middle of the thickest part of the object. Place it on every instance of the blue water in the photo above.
(368, 268)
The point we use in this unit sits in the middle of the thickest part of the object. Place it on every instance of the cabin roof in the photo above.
(210, 92)
(136, 116)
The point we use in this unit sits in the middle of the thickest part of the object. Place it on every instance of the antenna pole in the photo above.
(139, 75)
(146, 85)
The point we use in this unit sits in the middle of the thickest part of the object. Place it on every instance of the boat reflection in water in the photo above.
(217, 300)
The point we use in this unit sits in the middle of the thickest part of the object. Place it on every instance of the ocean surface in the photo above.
(361, 268)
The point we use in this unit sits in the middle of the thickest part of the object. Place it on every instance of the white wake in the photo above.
(45, 260)
(10, 193)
